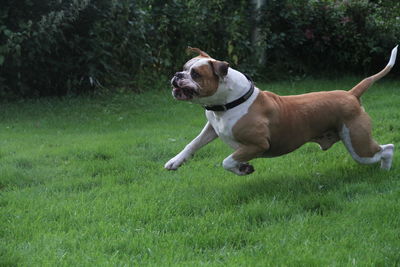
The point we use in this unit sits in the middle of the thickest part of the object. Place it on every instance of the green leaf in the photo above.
(235, 59)
(230, 48)
(7, 32)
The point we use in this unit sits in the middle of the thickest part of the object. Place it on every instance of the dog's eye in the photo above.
(194, 74)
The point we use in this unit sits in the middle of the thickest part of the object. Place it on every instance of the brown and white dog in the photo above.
(262, 124)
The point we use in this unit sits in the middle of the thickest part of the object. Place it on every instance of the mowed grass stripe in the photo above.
(82, 183)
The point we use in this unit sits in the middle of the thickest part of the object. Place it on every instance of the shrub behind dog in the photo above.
(55, 48)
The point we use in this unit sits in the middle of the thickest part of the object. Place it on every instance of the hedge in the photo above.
(56, 48)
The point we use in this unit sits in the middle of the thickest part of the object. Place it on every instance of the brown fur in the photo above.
(207, 80)
(363, 86)
(360, 135)
(281, 124)
(197, 50)
(220, 67)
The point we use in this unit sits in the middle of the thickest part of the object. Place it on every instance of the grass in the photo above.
(82, 184)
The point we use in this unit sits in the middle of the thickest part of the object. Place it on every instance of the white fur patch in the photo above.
(195, 62)
(345, 136)
(393, 57)
(229, 163)
(232, 165)
(387, 156)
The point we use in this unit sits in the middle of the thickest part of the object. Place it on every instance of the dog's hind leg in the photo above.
(356, 136)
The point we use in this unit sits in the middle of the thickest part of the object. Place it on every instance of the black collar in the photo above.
(234, 103)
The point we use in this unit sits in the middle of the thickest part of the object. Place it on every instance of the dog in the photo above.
(259, 123)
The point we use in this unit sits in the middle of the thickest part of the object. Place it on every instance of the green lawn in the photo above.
(82, 184)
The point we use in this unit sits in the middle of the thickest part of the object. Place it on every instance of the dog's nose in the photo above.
(175, 82)
(179, 75)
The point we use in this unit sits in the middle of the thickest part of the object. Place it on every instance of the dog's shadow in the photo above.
(319, 193)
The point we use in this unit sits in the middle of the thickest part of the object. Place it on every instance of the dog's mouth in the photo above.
(184, 93)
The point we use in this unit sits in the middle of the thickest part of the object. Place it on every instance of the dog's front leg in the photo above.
(237, 162)
(207, 135)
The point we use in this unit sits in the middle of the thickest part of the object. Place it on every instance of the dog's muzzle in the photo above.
(181, 87)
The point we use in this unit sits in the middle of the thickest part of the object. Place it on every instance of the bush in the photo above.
(54, 48)
(77, 45)
(44, 43)
(341, 36)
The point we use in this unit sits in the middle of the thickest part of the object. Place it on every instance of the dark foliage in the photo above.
(55, 48)
(341, 36)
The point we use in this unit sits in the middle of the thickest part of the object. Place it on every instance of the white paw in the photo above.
(175, 162)
(387, 156)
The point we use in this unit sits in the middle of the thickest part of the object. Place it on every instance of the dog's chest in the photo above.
(223, 125)
(223, 122)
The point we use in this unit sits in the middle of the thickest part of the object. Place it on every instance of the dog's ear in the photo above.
(197, 50)
(220, 68)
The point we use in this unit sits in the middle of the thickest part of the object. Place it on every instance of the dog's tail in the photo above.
(360, 88)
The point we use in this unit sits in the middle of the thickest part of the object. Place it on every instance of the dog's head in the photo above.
(200, 78)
